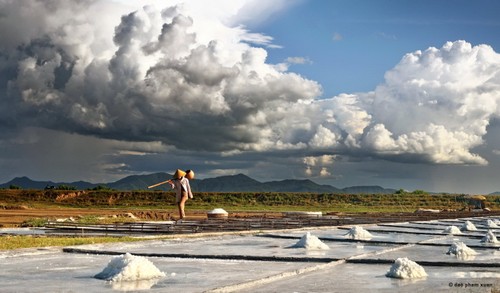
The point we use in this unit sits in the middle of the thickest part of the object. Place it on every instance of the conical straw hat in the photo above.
(190, 174)
(178, 174)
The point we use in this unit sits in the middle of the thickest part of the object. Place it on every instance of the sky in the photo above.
(400, 94)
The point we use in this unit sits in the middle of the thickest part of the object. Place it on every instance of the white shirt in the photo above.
(181, 185)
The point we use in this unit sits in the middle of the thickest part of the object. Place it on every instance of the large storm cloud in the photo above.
(165, 75)
(159, 81)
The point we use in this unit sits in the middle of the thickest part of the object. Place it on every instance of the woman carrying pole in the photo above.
(180, 182)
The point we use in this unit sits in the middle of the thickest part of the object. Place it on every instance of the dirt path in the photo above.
(15, 217)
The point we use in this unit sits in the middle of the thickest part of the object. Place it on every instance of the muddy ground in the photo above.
(16, 216)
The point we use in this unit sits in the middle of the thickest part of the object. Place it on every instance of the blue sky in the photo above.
(401, 94)
(351, 44)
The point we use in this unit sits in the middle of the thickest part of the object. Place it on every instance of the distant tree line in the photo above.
(66, 187)
(417, 191)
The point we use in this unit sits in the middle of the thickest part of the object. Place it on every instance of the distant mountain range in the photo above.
(233, 183)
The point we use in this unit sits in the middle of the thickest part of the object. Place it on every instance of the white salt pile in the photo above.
(452, 230)
(128, 267)
(403, 268)
(358, 232)
(218, 211)
(491, 224)
(468, 226)
(461, 251)
(311, 242)
(489, 237)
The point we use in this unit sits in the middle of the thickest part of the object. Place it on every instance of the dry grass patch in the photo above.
(28, 241)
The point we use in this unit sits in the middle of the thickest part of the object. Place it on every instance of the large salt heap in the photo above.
(491, 224)
(128, 267)
(489, 237)
(403, 268)
(358, 232)
(468, 226)
(310, 242)
(452, 230)
(462, 251)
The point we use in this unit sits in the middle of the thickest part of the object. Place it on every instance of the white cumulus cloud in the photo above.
(434, 107)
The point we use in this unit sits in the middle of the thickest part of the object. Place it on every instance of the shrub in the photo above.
(34, 222)
(66, 187)
(102, 188)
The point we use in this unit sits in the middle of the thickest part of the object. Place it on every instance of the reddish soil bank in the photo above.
(15, 216)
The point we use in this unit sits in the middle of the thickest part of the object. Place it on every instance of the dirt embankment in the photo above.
(16, 217)
(18, 206)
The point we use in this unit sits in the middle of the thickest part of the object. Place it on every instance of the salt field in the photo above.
(402, 257)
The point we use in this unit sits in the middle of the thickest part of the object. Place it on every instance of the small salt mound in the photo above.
(358, 232)
(128, 267)
(218, 211)
(491, 224)
(311, 242)
(468, 226)
(489, 237)
(452, 230)
(403, 268)
(461, 251)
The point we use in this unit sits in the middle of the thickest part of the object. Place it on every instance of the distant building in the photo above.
(476, 201)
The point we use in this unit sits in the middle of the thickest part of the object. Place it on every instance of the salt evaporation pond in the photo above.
(261, 263)
(357, 232)
(404, 268)
(21, 231)
(311, 242)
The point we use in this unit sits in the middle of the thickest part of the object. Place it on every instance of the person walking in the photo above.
(180, 182)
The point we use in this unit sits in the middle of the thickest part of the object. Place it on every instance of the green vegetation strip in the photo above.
(23, 241)
(400, 201)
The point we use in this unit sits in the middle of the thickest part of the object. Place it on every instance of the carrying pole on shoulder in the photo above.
(157, 184)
